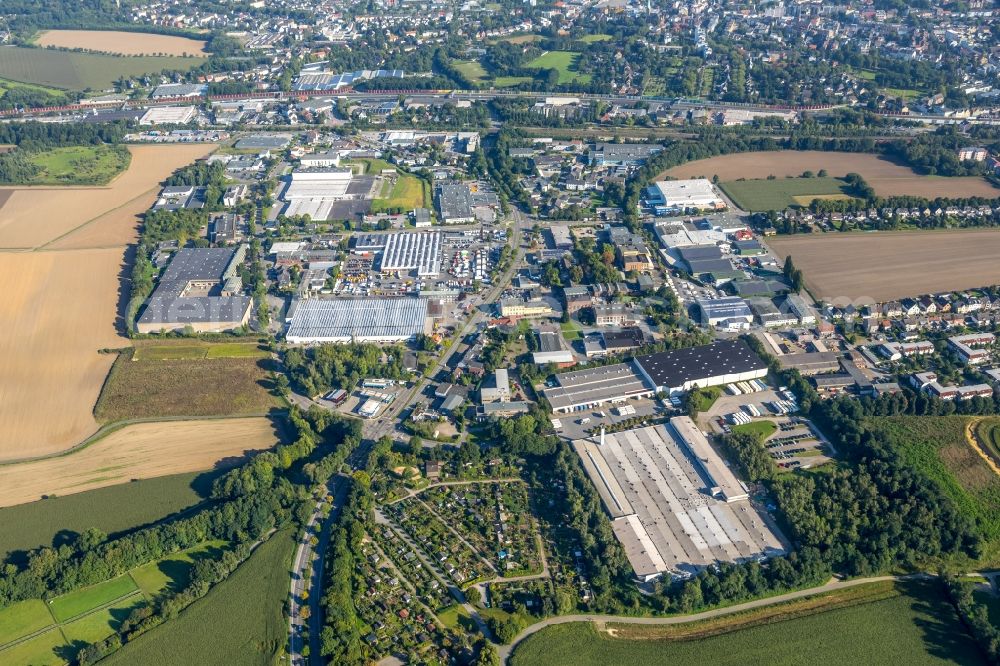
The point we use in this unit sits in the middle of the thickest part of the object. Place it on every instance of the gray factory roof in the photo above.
(169, 309)
(170, 305)
(380, 319)
(605, 383)
(678, 366)
(409, 251)
(263, 142)
(454, 200)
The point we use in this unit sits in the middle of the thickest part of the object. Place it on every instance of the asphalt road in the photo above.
(305, 556)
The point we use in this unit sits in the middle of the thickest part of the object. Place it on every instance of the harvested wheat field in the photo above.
(31, 217)
(122, 43)
(886, 177)
(861, 268)
(138, 451)
(61, 304)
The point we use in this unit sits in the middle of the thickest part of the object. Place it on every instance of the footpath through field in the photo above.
(833, 585)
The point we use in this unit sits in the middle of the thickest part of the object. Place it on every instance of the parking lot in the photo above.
(797, 444)
(572, 428)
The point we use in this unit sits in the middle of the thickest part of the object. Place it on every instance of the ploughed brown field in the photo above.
(865, 267)
(121, 42)
(886, 177)
(138, 451)
(61, 300)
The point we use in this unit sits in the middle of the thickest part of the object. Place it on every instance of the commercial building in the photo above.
(517, 308)
(552, 348)
(614, 314)
(681, 195)
(680, 370)
(324, 160)
(357, 319)
(166, 90)
(314, 192)
(177, 197)
(622, 154)
(613, 342)
(675, 506)
(496, 389)
(672, 372)
(413, 251)
(225, 228)
(201, 290)
(577, 298)
(729, 312)
(168, 115)
(263, 142)
(454, 203)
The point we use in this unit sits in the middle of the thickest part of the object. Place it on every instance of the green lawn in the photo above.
(39, 651)
(172, 573)
(704, 398)
(23, 618)
(80, 601)
(102, 623)
(148, 350)
(472, 69)
(79, 71)
(782, 193)
(240, 620)
(114, 509)
(509, 81)
(762, 429)
(370, 166)
(79, 165)
(917, 628)
(565, 62)
(407, 193)
(599, 37)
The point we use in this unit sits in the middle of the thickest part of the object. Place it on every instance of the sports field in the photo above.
(919, 627)
(138, 451)
(565, 62)
(240, 621)
(122, 43)
(72, 70)
(886, 177)
(407, 193)
(60, 305)
(880, 266)
(782, 193)
(472, 69)
(51, 631)
(115, 509)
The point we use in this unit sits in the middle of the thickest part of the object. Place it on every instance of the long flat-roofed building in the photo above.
(413, 251)
(675, 506)
(314, 192)
(722, 362)
(696, 193)
(584, 389)
(201, 289)
(357, 319)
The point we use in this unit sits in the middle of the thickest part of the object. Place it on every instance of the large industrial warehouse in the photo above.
(417, 251)
(315, 192)
(696, 193)
(357, 319)
(675, 505)
(672, 372)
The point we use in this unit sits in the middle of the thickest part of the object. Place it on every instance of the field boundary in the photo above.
(972, 437)
(115, 426)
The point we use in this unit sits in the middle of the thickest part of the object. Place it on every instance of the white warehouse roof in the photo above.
(359, 319)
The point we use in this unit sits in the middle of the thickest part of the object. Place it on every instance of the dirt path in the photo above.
(978, 447)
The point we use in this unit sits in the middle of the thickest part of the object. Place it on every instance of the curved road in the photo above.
(506, 650)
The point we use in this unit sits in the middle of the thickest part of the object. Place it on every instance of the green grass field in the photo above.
(114, 509)
(6, 85)
(208, 386)
(565, 62)
(79, 71)
(101, 623)
(762, 429)
(79, 165)
(369, 166)
(407, 193)
(173, 573)
(80, 601)
(472, 69)
(919, 627)
(23, 618)
(782, 193)
(509, 81)
(988, 434)
(42, 650)
(163, 350)
(600, 37)
(937, 448)
(240, 621)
